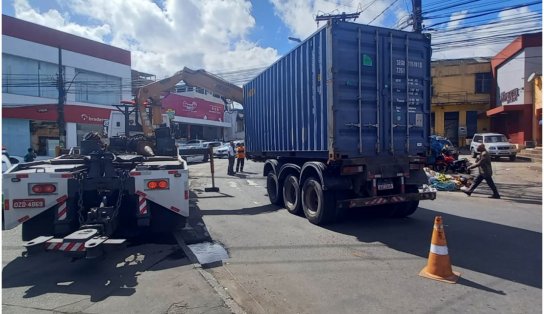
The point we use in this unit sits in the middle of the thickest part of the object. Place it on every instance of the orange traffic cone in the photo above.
(439, 265)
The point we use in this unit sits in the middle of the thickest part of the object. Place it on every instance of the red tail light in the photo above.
(161, 184)
(43, 188)
(186, 194)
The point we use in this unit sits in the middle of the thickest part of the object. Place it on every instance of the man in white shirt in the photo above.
(231, 155)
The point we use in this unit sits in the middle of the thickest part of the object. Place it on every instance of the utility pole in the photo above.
(417, 16)
(343, 17)
(60, 105)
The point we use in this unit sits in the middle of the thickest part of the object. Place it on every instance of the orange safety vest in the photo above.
(241, 152)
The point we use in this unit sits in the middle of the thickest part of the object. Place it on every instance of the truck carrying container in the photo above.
(343, 120)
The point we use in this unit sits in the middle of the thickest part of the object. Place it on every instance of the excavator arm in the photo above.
(150, 94)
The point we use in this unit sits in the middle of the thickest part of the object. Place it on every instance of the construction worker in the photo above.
(240, 156)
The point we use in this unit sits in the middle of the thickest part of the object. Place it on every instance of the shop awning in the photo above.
(504, 109)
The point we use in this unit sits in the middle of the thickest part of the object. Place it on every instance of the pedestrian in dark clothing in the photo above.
(231, 155)
(240, 157)
(30, 156)
(484, 166)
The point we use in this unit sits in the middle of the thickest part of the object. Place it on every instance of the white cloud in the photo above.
(163, 39)
(299, 15)
(54, 19)
(456, 19)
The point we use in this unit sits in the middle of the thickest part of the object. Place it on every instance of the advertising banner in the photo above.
(193, 107)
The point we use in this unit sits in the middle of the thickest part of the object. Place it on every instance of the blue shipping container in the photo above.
(348, 91)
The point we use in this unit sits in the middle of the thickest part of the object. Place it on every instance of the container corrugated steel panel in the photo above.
(348, 91)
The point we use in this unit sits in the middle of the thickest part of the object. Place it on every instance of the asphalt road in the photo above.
(280, 263)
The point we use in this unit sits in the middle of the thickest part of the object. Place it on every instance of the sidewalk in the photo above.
(518, 179)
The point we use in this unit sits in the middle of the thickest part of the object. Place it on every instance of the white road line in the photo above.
(232, 184)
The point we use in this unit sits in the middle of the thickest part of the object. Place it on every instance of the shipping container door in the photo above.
(381, 103)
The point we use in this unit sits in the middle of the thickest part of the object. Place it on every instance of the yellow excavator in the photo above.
(150, 94)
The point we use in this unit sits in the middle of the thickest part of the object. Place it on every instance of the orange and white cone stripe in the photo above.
(142, 205)
(439, 265)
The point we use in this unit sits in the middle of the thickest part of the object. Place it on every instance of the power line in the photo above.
(383, 12)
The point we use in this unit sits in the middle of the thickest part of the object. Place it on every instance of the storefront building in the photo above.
(517, 99)
(460, 97)
(95, 76)
(197, 114)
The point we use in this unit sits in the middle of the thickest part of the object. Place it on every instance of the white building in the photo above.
(96, 77)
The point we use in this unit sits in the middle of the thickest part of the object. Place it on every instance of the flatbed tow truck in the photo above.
(93, 199)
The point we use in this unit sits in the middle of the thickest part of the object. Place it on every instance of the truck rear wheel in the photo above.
(318, 205)
(273, 189)
(405, 209)
(291, 195)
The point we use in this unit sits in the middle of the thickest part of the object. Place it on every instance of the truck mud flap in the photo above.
(389, 199)
(83, 243)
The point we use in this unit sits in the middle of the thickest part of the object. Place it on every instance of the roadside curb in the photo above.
(216, 286)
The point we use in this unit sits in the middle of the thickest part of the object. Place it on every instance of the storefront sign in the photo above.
(511, 96)
(72, 113)
(88, 118)
(190, 107)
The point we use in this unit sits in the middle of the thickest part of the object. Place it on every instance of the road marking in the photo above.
(252, 183)
(232, 184)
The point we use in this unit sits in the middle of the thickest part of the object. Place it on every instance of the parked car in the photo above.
(495, 143)
(221, 151)
(194, 143)
(186, 152)
(212, 144)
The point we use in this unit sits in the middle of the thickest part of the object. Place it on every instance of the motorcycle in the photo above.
(445, 162)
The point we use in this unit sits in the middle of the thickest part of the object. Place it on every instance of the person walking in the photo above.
(484, 166)
(30, 156)
(240, 157)
(231, 156)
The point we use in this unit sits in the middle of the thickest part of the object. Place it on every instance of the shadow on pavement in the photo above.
(243, 211)
(497, 250)
(517, 193)
(114, 275)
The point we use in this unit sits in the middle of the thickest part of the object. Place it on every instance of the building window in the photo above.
(97, 88)
(483, 83)
(23, 76)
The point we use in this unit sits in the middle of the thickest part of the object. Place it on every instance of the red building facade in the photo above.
(513, 96)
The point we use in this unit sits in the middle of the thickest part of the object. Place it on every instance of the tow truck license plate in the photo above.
(387, 185)
(28, 203)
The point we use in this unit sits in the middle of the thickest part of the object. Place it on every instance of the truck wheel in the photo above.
(405, 209)
(291, 195)
(513, 158)
(41, 225)
(474, 154)
(318, 205)
(273, 189)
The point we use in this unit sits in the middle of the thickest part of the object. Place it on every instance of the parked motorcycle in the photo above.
(445, 162)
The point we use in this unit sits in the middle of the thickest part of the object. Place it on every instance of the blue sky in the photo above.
(239, 35)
